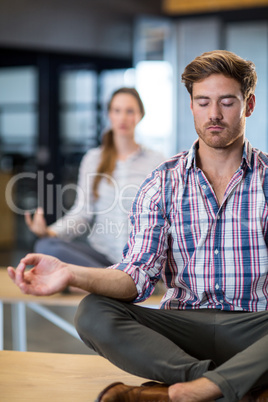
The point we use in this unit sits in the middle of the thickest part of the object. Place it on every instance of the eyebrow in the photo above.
(197, 97)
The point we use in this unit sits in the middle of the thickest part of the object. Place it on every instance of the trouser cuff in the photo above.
(228, 393)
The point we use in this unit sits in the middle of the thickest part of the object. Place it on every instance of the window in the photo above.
(18, 110)
(78, 110)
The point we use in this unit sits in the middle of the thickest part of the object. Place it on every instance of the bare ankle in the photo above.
(201, 390)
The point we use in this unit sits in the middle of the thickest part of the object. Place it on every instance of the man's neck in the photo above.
(219, 161)
(219, 165)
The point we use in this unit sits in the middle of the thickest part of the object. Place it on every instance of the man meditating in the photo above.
(200, 221)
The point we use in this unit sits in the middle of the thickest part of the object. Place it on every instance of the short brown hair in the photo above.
(221, 62)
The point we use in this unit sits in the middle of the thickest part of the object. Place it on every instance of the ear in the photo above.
(250, 105)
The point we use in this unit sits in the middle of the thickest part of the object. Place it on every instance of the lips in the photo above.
(217, 128)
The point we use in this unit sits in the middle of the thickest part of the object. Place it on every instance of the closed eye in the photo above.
(202, 104)
(228, 104)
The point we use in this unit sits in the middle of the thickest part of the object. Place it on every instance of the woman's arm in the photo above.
(50, 275)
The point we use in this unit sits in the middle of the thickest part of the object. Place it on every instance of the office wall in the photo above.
(64, 25)
(250, 40)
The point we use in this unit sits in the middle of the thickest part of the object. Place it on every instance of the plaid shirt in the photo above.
(209, 256)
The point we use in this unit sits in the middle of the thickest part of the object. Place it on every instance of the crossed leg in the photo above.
(174, 347)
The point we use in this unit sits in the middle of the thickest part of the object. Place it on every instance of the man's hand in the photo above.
(48, 275)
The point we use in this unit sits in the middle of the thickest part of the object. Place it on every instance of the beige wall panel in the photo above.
(197, 6)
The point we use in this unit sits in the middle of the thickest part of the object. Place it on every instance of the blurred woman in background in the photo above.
(109, 177)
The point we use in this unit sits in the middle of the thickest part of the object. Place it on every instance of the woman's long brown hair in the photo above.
(109, 153)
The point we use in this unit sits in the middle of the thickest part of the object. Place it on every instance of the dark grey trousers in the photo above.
(75, 252)
(170, 346)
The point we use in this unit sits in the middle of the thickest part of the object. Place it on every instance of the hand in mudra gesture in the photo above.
(47, 276)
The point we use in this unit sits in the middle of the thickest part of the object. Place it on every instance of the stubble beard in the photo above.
(217, 140)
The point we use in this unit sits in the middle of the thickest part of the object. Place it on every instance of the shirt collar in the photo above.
(191, 159)
(246, 157)
(247, 154)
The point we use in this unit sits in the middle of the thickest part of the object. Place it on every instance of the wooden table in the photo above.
(10, 293)
(30, 376)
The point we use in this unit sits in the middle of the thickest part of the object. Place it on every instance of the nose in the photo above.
(123, 116)
(215, 112)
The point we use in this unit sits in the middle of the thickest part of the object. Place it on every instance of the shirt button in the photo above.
(221, 301)
(216, 251)
(218, 217)
(217, 286)
(204, 187)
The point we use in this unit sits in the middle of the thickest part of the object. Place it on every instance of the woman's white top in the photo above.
(106, 218)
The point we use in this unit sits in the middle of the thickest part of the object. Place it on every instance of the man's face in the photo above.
(220, 111)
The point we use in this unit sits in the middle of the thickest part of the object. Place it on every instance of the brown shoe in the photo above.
(260, 395)
(148, 392)
(263, 396)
